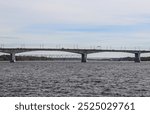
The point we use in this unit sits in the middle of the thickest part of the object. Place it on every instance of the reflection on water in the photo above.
(75, 79)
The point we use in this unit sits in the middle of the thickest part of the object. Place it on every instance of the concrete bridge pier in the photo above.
(137, 58)
(12, 57)
(83, 57)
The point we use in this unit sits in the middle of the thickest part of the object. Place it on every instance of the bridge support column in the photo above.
(83, 57)
(137, 58)
(12, 58)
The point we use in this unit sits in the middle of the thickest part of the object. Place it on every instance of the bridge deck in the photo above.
(80, 51)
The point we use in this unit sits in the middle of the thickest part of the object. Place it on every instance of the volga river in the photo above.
(73, 79)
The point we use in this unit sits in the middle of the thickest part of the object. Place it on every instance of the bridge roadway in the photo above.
(82, 52)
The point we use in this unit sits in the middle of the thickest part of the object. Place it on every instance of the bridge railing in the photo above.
(60, 46)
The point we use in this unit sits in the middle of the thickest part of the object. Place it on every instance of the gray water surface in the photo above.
(73, 79)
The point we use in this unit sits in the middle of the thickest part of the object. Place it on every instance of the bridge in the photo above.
(82, 52)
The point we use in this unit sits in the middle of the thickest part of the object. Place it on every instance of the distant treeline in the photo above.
(126, 59)
(35, 58)
(131, 59)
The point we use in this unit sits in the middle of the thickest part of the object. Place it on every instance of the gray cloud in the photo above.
(18, 17)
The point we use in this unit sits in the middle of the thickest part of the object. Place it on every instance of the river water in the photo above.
(73, 79)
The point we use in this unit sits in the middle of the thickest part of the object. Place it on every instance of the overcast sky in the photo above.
(112, 23)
